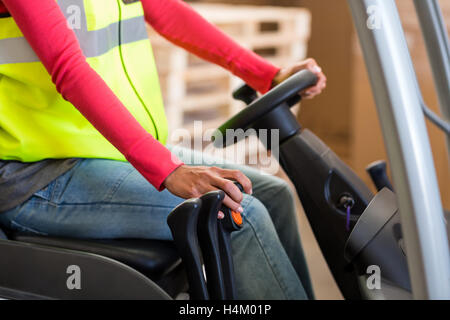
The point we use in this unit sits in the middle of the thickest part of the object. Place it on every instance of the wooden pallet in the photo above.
(192, 87)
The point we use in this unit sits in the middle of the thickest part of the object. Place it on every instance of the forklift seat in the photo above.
(157, 260)
(49, 267)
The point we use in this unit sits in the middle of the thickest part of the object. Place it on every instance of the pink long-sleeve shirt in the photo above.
(60, 52)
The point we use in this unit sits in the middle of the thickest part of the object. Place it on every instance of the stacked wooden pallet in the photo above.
(196, 90)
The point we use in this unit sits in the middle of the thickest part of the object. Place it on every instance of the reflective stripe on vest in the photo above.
(37, 123)
(93, 43)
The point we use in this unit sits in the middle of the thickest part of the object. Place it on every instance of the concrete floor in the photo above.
(325, 287)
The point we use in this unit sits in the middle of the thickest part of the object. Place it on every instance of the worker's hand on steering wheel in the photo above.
(192, 182)
(312, 66)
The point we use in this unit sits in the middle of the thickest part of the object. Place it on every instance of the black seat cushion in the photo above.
(153, 258)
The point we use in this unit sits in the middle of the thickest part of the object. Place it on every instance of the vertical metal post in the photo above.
(395, 89)
(434, 32)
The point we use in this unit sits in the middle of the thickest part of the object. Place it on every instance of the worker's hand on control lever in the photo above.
(192, 182)
(312, 66)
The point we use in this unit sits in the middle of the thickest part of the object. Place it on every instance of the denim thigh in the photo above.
(98, 199)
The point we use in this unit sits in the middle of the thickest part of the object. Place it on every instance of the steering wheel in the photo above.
(285, 92)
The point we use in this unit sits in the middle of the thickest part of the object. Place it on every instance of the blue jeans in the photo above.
(104, 199)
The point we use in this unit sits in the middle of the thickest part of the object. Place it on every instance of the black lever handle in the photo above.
(231, 222)
(378, 173)
(183, 222)
(209, 243)
(245, 94)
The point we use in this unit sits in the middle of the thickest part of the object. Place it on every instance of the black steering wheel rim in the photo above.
(283, 92)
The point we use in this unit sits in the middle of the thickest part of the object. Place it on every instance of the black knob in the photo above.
(378, 173)
(245, 94)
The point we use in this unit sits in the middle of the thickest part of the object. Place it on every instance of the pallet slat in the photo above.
(190, 85)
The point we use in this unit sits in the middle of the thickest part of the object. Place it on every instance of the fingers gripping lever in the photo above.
(198, 234)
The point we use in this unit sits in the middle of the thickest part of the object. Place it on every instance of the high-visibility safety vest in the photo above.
(37, 123)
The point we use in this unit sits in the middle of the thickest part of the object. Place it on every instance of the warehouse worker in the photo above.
(79, 95)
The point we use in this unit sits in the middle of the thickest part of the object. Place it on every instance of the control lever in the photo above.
(245, 94)
(378, 174)
(183, 222)
(209, 243)
(231, 222)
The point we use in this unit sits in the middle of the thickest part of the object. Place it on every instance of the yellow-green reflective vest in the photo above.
(37, 123)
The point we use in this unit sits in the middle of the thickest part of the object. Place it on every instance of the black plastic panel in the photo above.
(40, 271)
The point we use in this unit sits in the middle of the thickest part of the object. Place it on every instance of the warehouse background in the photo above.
(344, 116)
